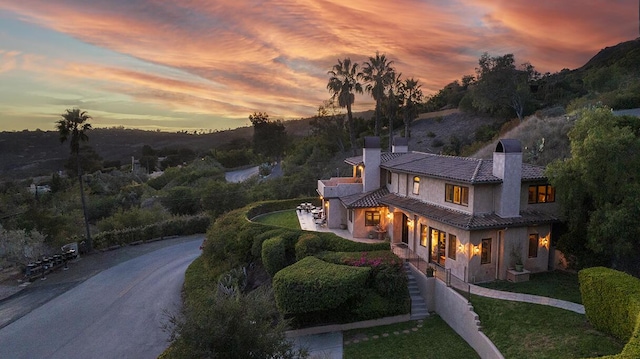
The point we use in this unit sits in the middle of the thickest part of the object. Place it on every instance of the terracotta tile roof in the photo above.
(364, 200)
(462, 169)
(464, 220)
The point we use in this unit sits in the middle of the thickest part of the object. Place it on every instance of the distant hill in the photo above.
(34, 153)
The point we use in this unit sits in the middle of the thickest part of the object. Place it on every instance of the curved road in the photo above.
(118, 313)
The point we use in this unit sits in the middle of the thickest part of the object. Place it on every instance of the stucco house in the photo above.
(472, 217)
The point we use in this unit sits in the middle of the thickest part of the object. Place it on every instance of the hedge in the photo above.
(314, 285)
(182, 226)
(273, 255)
(309, 244)
(612, 305)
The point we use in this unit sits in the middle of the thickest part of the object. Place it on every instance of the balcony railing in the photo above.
(339, 186)
(403, 251)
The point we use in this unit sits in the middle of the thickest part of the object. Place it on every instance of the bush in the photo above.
(612, 304)
(309, 244)
(273, 255)
(181, 226)
(314, 285)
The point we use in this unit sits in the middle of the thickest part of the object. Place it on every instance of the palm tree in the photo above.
(393, 101)
(73, 127)
(343, 85)
(379, 75)
(412, 96)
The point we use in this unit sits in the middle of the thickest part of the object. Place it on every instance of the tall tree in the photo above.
(343, 84)
(599, 191)
(378, 73)
(329, 124)
(412, 95)
(269, 137)
(73, 127)
(393, 101)
(501, 85)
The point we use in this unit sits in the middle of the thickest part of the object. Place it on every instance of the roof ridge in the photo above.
(475, 172)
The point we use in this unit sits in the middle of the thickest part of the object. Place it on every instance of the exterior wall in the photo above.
(358, 228)
(335, 212)
(459, 314)
(483, 198)
(549, 208)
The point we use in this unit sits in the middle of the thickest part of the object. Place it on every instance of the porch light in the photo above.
(410, 222)
(460, 248)
(476, 250)
(389, 215)
(544, 241)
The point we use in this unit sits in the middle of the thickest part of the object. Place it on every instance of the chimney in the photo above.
(400, 145)
(507, 165)
(371, 159)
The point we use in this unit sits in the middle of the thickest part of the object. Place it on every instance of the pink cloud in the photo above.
(237, 58)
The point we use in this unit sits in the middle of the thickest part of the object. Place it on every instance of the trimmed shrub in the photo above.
(308, 244)
(314, 285)
(338, 244)
(273, 255)
(612, 303)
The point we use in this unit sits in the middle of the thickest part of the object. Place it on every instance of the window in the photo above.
(423, 235)
(485, 251)
(453, 246)
(456, 194)
(542, 194)
(351, 216)
(534, 240)
(416, 185)
(388, 177)
(371, 218)
(438, 246)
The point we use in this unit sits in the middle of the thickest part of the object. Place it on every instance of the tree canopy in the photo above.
(599, 191)
(269, 137)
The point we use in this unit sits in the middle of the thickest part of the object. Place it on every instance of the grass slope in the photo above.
(555, 284)
(523, 330)
(432, 338)
(288, 219)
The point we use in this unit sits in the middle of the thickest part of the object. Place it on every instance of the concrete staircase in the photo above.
(418, 305)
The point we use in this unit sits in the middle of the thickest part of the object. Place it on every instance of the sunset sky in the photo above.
(205, 64)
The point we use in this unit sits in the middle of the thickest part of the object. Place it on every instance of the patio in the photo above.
(308, 223)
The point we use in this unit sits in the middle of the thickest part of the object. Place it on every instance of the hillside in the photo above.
(33, 153)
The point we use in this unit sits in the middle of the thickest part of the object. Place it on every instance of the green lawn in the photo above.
(554, 284)
(434, 339)
(523, 330)
(288, 219)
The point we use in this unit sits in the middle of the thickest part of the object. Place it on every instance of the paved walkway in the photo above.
(527, 298)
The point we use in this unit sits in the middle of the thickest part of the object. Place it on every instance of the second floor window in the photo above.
(371, 218)
(542, 194)
(456, 194)
(416, 185)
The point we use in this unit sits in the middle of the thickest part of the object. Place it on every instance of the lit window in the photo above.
(542, 194)
(438, 246)
(534, 240)
(456, 194)
(371, 218)
(485, 251)
(416, 185)
(423, 235)
(453, 245)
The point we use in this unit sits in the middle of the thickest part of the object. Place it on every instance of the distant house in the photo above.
(471, 216)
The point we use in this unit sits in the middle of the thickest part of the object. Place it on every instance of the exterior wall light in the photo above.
(476, 250)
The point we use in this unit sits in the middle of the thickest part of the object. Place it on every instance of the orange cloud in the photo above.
(229, 58)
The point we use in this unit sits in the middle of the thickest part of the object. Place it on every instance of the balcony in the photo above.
(339, 186)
